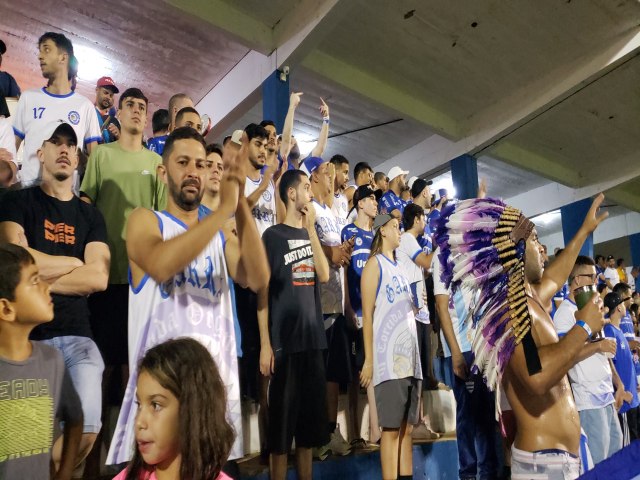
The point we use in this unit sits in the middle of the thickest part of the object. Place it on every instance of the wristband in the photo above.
(325, 120)
(583, 324)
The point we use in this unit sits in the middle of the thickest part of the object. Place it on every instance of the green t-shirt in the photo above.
(118, 181)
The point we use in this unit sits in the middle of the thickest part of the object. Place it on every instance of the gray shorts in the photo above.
(398, 401)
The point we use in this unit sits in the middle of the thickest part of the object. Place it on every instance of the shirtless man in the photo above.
(548, 426)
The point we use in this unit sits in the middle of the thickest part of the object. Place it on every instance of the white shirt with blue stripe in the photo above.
(590, 379)
(459, 311)
(407, 253)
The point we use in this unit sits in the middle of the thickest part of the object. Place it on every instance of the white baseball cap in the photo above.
(396, 172)
(410, 182)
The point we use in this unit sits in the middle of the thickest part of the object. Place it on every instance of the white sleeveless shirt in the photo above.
(264, 211)
(395, 339)
(194, 303)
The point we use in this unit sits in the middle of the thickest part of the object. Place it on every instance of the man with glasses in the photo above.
(594, 377)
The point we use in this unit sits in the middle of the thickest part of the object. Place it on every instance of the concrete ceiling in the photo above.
(147, 44)
(538, 91)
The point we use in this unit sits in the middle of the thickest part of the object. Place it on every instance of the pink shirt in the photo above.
(151, 475)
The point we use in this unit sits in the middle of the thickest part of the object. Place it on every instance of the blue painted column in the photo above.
(464, 171)
(634, 244)
(275, 99)
(572, 217)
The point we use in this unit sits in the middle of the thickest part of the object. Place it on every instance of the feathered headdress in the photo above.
(482, 245)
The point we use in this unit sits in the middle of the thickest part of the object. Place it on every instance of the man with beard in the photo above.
(105, 90)
(188, 117)
(362, 175)
(68, 240)
(180, 273)
(120, 176)
(57, 100)
(391, 202)
(494, 250)
(339, 204)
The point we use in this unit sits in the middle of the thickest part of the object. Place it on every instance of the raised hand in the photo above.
(324, 108)
(593, 218)
(294, 99)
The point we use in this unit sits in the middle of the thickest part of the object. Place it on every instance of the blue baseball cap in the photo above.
(311, 164)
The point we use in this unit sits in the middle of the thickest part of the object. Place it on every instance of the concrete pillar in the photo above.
(573, 215)
(634, 244)
(464, 171)
(275, 99)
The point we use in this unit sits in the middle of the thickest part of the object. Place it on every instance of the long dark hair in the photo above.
(185, 368)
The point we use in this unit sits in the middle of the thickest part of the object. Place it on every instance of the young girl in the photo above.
(181, 428)
(391, 349)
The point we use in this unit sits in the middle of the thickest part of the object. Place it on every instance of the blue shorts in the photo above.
(84, 363)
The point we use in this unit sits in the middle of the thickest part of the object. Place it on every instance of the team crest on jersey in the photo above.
(391, 294)
(74, 117)
(358, 241)
(266, 196)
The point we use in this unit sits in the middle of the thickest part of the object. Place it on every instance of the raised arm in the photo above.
(319, 258)
(556, 358)
(557, 272)
(287, 129)
(320, 147)
(162, 259)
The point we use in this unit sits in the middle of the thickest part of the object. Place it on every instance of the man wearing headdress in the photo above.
(493, 248)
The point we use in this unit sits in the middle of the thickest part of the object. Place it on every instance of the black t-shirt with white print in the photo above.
(295, 314)
(57, 227)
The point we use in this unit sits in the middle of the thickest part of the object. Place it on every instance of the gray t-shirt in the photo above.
(33, 394)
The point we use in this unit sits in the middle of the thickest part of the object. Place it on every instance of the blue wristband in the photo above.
(583, 324)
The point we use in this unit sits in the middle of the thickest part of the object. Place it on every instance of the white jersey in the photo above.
(340, 209)
(7, 140)
(194, 303)
(407, 252)
(37, 108)
(395, 338)
(264, 211)
(329, 230)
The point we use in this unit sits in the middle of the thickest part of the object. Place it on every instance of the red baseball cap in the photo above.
(107, 82)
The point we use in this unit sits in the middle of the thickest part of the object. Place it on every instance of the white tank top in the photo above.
(340, 209)
(329, 230)
(395, 340)
(195, 303)
(264, 211)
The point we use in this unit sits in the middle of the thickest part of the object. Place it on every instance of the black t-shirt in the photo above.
(295, 314)
(62, 228)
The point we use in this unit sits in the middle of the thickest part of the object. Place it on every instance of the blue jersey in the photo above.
(390, 202)
(359, 257)
(623, 361)
(156, 144)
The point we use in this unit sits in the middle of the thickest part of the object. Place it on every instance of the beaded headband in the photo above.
(482, 244)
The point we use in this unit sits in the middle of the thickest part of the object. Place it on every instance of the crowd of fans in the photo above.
(298, 283)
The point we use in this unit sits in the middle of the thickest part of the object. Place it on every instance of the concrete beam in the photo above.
(240, 89)
(554, 195)
(245, 29)
(494, 125)
(376, 90)
(612, 228)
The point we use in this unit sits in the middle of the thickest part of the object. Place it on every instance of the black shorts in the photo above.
(109, 318)
(298, 402)
(249, 366)
(338, 357)
(357, 350)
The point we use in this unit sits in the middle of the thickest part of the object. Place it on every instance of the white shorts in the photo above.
(544, 465)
